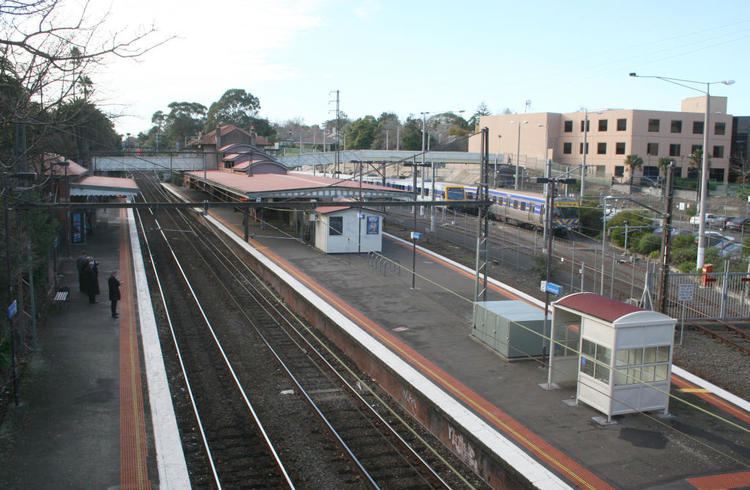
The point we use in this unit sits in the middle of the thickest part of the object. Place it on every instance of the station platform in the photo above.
(87, 411)
(705, 443)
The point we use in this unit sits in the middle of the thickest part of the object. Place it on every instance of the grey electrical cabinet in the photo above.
(514, 329)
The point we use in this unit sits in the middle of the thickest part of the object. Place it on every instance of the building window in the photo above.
(652, 149)
(585, 125)
(678, 171)
(619, 170)
(716, 174)
(676, 127)
(602, 124)
(718, 151)
(619, 148)
(595, 360)
(568, 126)
(336, 225)
(601, 148)
(642, 365)
(622, 124)
(653, 125)
(580, 148)
(697, 127)
(567, 148)
(650, 171)
(674, 150)
(695, 148)
(720, 128)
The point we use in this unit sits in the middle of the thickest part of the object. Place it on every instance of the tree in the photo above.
(633, 162)
(411, 135)
(482, 110)
(387, 122)
(236, 107)
(695, 161)
(185, 120)
(361, 133)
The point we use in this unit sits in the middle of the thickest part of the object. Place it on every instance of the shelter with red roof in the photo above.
(345, 229)
(619, 356)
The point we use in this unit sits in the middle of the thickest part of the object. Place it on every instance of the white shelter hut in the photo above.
(618, 355)
(344, 229)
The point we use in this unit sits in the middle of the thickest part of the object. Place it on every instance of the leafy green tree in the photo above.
(185, 120)
(633, 162)
(639, 225)
(411, 135)
(648, 243)
(81, 129)
(236, 107)
(387, 122)
(361, 133)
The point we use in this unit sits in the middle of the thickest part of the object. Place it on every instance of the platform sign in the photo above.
(685, 292)
(416, 235)
(551, 288)
(13, 309)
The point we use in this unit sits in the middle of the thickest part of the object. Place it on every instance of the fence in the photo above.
(720, 295)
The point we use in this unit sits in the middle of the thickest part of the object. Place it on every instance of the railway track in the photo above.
(279, 386)
(735, 337)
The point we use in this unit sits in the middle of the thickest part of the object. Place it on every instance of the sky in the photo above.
(410, 56)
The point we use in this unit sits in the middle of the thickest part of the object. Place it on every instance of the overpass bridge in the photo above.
(151, 161)
(328, 158)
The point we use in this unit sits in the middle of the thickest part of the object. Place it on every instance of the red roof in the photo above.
(210, 137)
(53, 165)
(279, 182)
(331, 209)
(98, 181)
(597, 306)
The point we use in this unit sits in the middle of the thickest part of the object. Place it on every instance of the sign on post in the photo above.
(415, 235)
(551, 288)
(13, 309)
(685, 292)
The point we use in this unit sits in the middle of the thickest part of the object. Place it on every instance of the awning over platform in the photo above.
(104, 186)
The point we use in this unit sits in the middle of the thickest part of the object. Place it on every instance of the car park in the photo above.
(737, 223)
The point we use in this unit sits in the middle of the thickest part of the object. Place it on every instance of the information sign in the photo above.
(13, 309)
(685, 292)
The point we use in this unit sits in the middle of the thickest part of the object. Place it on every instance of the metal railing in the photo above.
(716, 296)
(383, 264)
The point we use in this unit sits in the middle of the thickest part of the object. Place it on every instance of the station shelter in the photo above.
(617, 355)
(345, 229)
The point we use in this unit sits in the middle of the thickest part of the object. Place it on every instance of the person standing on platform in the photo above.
(91, 281)
(81, 263)
(114, 293)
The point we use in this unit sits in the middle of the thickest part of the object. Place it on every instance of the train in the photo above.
(520, 208)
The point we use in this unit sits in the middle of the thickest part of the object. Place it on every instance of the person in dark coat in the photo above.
(81, 263)
(91, 280)
(114, 293)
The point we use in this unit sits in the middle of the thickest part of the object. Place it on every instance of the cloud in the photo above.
(367, 9)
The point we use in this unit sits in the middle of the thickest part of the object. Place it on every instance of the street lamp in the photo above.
(704, 164)
(518, 151)
(497, 157)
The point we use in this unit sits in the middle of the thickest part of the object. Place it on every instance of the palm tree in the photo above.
(633, 162)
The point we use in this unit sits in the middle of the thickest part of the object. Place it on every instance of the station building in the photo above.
(612, 134)
(244, 172)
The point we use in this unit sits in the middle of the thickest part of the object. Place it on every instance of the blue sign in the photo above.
(553, 288)
(415, 235)
(12, 309)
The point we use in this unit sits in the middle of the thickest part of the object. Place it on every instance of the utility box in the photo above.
(513, 329)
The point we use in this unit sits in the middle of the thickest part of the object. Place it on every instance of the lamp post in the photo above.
(518, 151)
(497, 157)
(704, 163)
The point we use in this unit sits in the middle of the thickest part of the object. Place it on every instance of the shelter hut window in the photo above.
(641, 365)
(336, 225)
(595, 360)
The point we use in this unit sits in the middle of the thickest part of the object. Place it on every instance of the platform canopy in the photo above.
(104, 186)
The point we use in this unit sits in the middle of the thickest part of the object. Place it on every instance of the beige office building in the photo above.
(612, 135)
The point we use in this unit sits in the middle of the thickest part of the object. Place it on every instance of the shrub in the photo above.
(686, 266)
(634, 219)
(648, 243)
(590, 218)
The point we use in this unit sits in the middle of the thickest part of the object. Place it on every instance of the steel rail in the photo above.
(305, 394)
(246, 399)
(279, 317)
(185, 376)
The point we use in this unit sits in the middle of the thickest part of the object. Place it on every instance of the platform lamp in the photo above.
(552, 183)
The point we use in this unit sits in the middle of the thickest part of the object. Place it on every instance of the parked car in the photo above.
(737, 224)
(731, 250)
(716, 239)
(711, 219)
